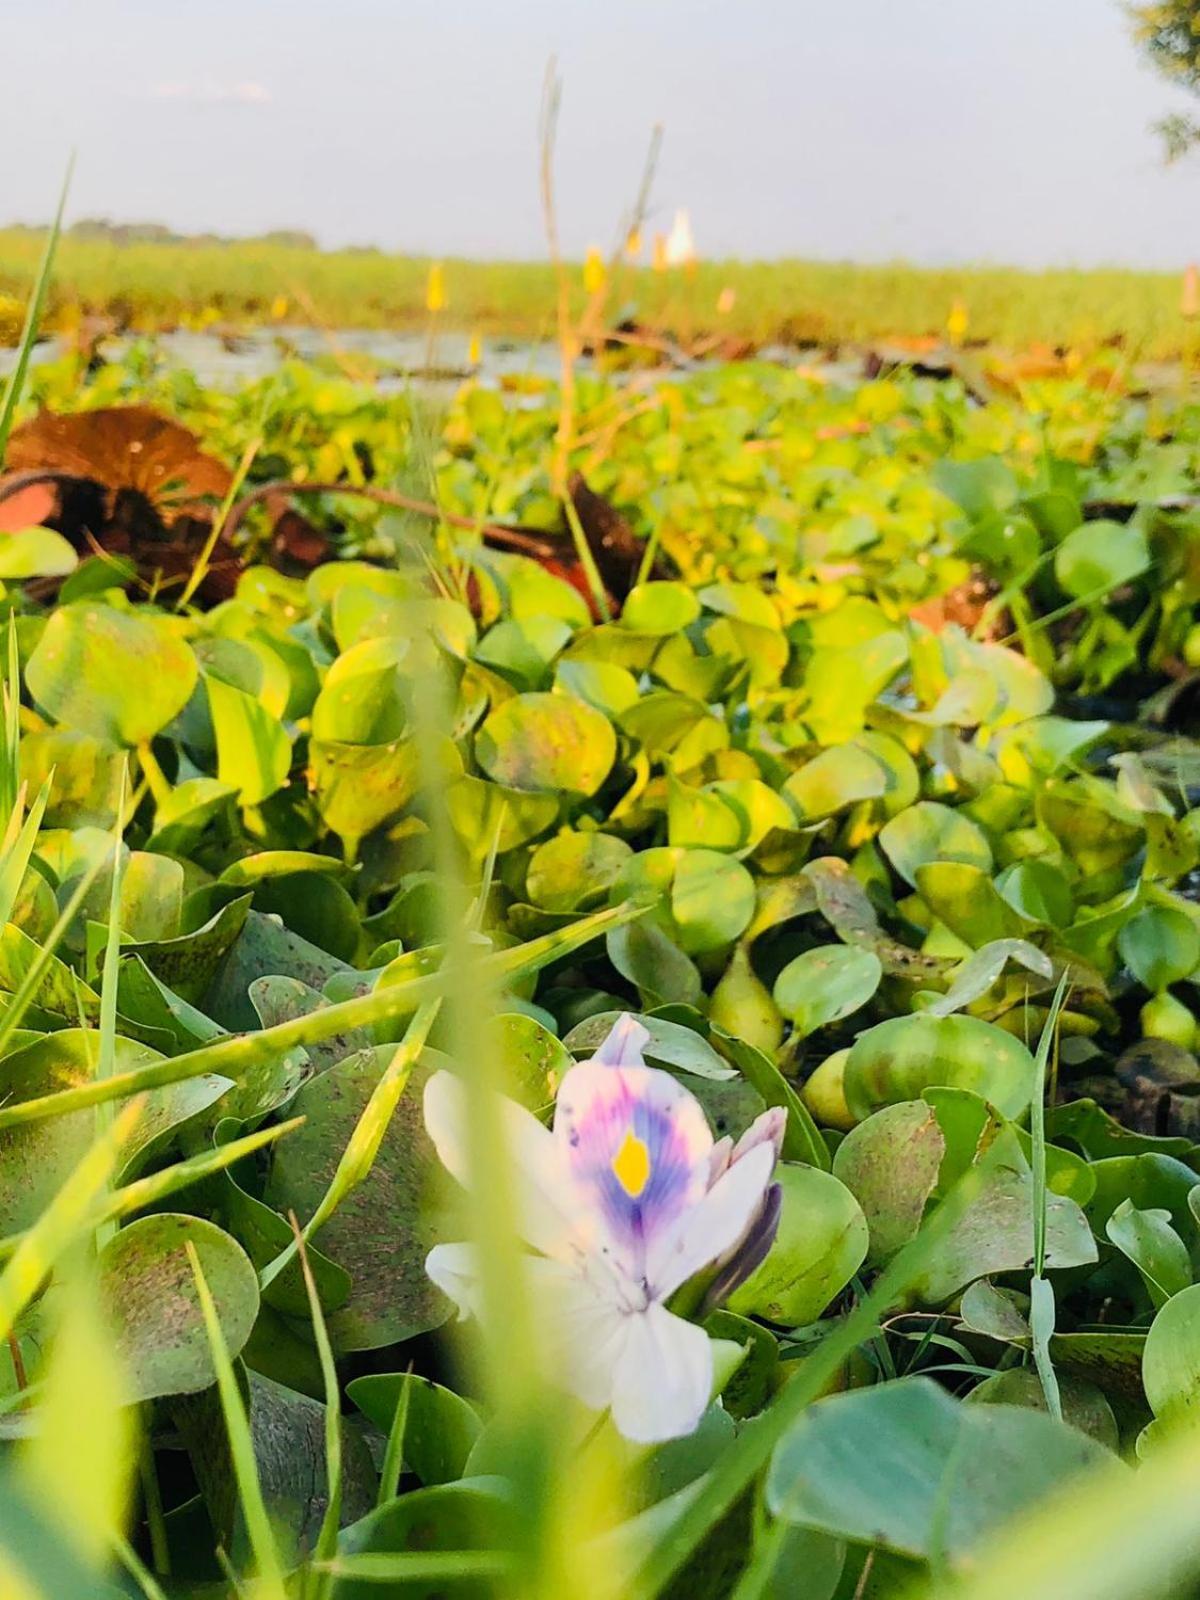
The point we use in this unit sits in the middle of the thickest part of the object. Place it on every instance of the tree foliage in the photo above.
(1169, 32)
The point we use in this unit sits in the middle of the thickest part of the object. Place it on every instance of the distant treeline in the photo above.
(104, 230)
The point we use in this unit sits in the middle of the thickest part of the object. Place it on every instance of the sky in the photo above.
(936, 131)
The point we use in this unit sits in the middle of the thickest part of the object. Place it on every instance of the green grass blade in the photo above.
(63, 1222)
(420, 1566)
(155, 1187)
(393, 1460)
(265, 1552)
(33, 317)
(25, 991)
(1042, 1309)
(17, 853)
(737, 1469)
(327, 1535)
(363, 1145)
(233, 1057)
(1116, 1535)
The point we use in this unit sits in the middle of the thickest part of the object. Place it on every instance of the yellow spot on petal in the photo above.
(631, 1165)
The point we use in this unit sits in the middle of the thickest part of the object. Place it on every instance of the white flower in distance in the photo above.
(624, 1201)
(681, 247)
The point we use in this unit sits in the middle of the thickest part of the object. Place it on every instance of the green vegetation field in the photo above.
(811, 865)
(150, 286)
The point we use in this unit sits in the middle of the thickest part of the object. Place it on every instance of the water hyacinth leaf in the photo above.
(316, 907)
(363, 700)
(995, 1312)
(602, 684)
(441, 1428)
(1171, 1359)
(825, 985)
(254, 752)
(87, 776)
(547, 741)
(262, 945)
(359, 787)
(845, 905)
(995, 1235)
(278, 999)
(35, 1160)
(660, 608)
(979, 487)
(263, 1234)
(873, 1467)
(471, 1517)
(834, 780)
(821, 1243)
(1037, 891)
(150, 1297)
(897, 1059)
(532, 1060)
(113, 674)
(382, 1230)
(966, 900)
(35, 553)
(189, 962)
(1099, 556)
(657, 968)
(890, 1163)
(802, 1140)
(570, 870)
(742, 1005)
(972, 980)
(482, 812)
(928, 832)
(1156, 1250)
(1084, 1405)
(671, 1044)
(287, 1435)
(700, 818)
(1160, 946)
(712, 901)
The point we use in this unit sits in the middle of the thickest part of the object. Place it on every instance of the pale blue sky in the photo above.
(934, 130)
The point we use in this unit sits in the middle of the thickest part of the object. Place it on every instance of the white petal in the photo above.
(769, 1127)
(549, 1211)
(455, 1271)
(623, 1047)
(719, 1159)
(586, 1328)
(663, 1377)
(707, 1230)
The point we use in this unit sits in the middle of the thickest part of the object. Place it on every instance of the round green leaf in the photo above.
(712, 901)
(1099, 556)
(928, 832)
(572, 869)
(111, 673)
(547, 741)
(897, 1059)
(660, 608)
(826, 984)
(150, 1294)
(820, 1245)
(1160, 946)
(1171, 1360)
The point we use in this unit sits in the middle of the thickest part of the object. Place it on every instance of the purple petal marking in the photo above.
(600, 1110)
(626, 1040)
(750, 1254)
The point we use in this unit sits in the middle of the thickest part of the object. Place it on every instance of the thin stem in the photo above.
(160, 1550)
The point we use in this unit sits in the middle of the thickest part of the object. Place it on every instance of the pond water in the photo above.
(226, 359)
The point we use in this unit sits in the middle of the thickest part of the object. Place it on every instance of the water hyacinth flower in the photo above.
(627, 1198)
